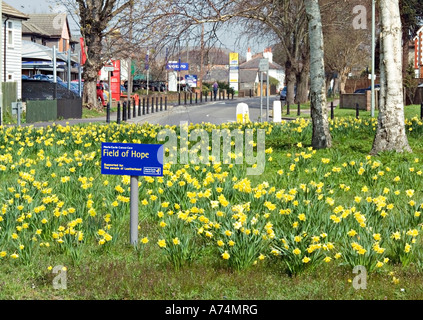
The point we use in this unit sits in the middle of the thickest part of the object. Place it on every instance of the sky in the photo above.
(228, 36)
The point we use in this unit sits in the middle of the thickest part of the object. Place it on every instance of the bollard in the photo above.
(161, 103)
(134, 114)
(206, 97)
(357, 112)
(299, 109)
(179, 98)
(251, 93)
(139, 108)
(124, 111)
(165, 103)
(201, 97)
(331, 111)
(143, 106)
(129, 109)
(287, 108)
(118, 113)
(196, 101)
(108, 112)
(185, 98)
(152, 104)
(190, 98)
(148, 105)
(157, 104)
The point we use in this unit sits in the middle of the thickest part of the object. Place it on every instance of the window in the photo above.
(10, 33)
(64, 41)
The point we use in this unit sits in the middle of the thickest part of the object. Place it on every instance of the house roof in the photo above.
(32, 50)
(8, 10)
(50, 24)
(253, 64)
(247, 76)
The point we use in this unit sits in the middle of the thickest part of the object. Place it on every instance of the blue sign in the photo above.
(177, 67)
(191, 80)
(132, 159)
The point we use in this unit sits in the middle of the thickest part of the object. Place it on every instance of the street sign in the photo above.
(109, 68)
(191, 80)
(175, 66)
(132, 159)
(264, 65)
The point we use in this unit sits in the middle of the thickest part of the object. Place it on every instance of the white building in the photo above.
(11, 46)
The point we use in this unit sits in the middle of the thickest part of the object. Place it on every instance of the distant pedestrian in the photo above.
(100, 93)
(215, 87)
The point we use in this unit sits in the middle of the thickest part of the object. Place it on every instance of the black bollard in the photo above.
(152, 104)
(165, 103)
(190, 98)
(139, 107)
(331, 111)
(201, 97)
(287, 108)
(185, 98)
(196, 101)
(179, 98)
(206, 97)
(251, 93)
(134, 114)
(161, 103)
(108, 112)
(357, 112)
(299, 109)
(143, 106)
(157, 104)
(118, 113)
(124, 113)
(148, 105)
(129, 109)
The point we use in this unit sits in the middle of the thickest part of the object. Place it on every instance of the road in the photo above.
(216, 112)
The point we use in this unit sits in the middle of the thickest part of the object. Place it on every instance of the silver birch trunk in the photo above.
(391, 133)
(321, 137)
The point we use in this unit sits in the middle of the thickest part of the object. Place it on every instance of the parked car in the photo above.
(363, 90)
(282, 94)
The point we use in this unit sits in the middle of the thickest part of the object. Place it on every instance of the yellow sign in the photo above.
(233, 58)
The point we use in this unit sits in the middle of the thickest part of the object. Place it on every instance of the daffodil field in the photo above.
(309, 209)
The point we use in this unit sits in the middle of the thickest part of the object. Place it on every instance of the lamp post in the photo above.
(372, 109)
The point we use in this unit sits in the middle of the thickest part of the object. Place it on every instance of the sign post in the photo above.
(133, 160)
(264, 67)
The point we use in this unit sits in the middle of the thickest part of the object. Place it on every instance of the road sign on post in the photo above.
(264, 65)
(133, 160)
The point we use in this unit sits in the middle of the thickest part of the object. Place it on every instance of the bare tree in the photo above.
(390, 134)
(321, 137)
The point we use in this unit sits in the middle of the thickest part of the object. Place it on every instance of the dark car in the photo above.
(282, 94)
(363, 90)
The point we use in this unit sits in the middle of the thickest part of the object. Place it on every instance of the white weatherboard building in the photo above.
(11, 46)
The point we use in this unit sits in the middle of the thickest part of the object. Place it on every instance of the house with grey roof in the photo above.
(11, 46)
(49, 29)
(249, 75)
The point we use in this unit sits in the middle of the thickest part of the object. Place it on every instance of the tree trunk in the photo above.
(321, 137)
(290, 83)
(302, 86)
(343, 81)
(390, 134)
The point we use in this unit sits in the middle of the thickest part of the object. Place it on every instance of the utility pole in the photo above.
(1, 59)
(201, 58)
(129, 90)
(372, 109)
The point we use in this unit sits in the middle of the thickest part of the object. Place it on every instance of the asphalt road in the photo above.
(215, 112)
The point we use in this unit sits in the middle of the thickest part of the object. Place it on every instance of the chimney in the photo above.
(267, 54)
(249, 54)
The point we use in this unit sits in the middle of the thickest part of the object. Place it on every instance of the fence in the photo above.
(9, 95)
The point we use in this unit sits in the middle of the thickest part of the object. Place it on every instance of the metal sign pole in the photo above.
(134, 211)
(267, 95)
(261, 96)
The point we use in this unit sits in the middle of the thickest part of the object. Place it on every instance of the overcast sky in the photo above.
(228, 36)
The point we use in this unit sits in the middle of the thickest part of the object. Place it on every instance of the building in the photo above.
(418, 53)
(49, 29)
(249, 75)
(11, 45)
